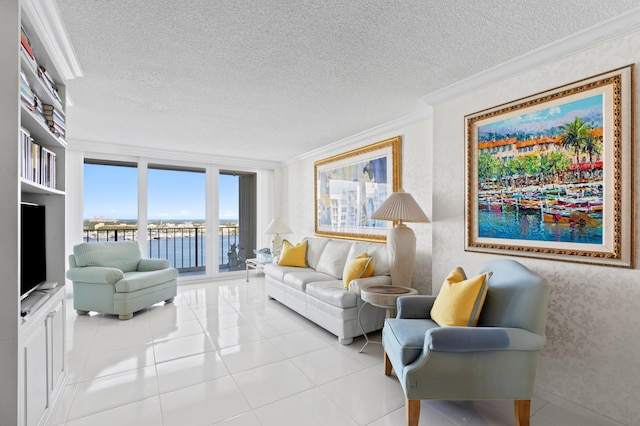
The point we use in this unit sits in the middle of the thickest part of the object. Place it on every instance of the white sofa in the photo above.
(318, 292)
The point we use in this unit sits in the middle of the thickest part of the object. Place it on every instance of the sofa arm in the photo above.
(362, 283)
(415, 307)
(145, 265)
(479, 339)
(95, 274)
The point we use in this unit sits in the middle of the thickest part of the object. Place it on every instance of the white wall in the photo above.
(298, 185)
(591, 356)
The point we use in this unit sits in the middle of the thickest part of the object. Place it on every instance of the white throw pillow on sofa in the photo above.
(315, 246)
(333, 258)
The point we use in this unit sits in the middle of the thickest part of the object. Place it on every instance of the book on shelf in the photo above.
(57, 130)
(38, 110)
(25, 42)
(26, 49)
(25, 149)
(47, 168)
(26, 94)
(37, 163)
(31, 63)
(49, 83)
(55, 120)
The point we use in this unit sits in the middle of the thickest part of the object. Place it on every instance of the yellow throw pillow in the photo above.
(460, 300)
(359, 267)
(293, 255)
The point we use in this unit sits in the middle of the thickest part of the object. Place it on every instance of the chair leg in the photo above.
(169, 300)
(125, 317)
(387, 364)
(522, 409)
(412, 407)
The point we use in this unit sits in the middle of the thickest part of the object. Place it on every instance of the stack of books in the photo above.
(26, 50)
(55, 120)
(39, 109)
(37, 163)
(26, 94)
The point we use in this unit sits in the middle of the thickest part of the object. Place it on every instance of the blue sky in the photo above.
(543, 119)
(112, 192)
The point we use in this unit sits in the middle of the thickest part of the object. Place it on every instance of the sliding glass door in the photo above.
(173, 208)
(176, 217)
(237, 219)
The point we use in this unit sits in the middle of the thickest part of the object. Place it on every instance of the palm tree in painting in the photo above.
(592, 146)
(574, 136)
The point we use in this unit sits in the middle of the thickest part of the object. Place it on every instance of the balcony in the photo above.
(183, 247)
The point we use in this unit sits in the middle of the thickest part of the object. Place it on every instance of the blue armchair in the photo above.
(113, 278)
(495, 360)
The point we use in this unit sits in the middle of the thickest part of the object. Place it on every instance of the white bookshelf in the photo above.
(32, 346)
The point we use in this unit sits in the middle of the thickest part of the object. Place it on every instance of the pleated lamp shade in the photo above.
(401, 240)
(400, 206)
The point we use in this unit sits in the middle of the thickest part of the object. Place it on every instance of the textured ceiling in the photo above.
(273, 79)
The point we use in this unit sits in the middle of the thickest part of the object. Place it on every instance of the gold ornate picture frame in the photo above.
(349, 187)
(551, 175)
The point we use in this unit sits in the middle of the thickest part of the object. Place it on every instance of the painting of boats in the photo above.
(545, 174)
(550, 173)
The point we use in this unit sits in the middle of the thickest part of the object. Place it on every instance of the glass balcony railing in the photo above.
(183, 247)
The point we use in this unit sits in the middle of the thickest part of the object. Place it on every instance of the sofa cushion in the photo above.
(315, 246)
(300, 278)
(377, 251)
(407, 336)
(278, 272)
(460, 300)
(333, 293)
(123, 255)
(133, 281)
(360, 267)
(293, 255)
(334, 257)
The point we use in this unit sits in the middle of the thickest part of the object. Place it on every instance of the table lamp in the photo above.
(401, 240)
(277, 227)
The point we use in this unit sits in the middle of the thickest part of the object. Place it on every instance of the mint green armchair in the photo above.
(495, 360)
(113, 278)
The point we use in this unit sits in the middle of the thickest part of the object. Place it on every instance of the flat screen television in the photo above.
(33, 253)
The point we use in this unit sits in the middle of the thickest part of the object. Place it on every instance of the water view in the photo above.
(528, 225)
(183, 244)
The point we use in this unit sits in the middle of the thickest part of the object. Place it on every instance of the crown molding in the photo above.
(108, 148)
(366, 135)
(600, 33)
(45, 18)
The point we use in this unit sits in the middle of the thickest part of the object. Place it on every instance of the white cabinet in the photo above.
(42, 336)
(35, 374)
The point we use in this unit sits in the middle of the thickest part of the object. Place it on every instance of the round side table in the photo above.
(382, 296)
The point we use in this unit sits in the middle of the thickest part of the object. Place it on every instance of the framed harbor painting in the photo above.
(349, 187)
(551, 175)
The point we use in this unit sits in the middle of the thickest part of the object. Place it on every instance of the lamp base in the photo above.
(276, 245)
(401, 245)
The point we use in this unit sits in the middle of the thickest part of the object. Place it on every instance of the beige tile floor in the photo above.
(224, 354)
